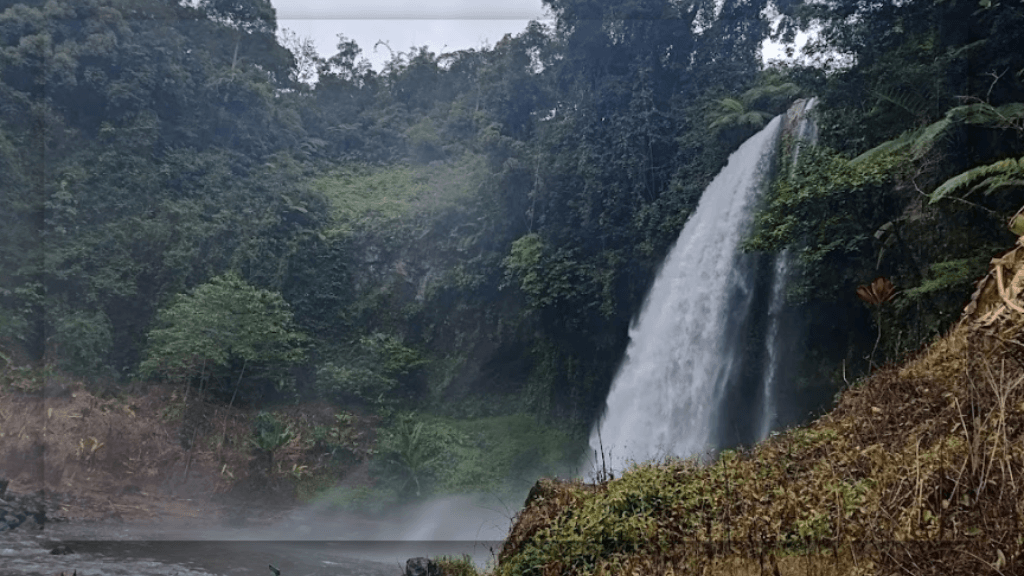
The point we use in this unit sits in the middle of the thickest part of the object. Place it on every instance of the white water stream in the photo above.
(690, 341)
(805, 134)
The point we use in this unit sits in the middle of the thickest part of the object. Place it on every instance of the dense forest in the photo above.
(190, 197)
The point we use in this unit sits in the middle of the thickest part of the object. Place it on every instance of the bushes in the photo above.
(371, 371)
(419, 454)
(81, 341)
(223, 324)
(456, 566)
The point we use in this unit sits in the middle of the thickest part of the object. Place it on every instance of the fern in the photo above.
(893, 146)
(771, 92)
(749, 110)
(929, 136)
(1007, 116)
(733, 113)
(944, 276)
(988, 178)
(731, 106)
(921, 141)
(908, 101)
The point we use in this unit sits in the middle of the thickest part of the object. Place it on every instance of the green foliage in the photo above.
(81, 340)
(526, 263)
(755, 107)
(219, 324)
(269, 434)
(828, 202)
(851, 220)
(921, 141)
(425, 142)
(421, 454)
(1006, 173)
(361, 196)
(160, 165)
(503, 454)
(410, 451)
(550, 278)
(248, 15)
(360, 382)
(732, 113)
(372, 500)
(371, 370)
(339, 441)
(456, 565)
(948, 275)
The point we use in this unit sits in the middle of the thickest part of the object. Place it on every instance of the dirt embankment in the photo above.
(99, 458)
(148, 456)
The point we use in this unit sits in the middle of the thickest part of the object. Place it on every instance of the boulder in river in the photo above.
(421, 566)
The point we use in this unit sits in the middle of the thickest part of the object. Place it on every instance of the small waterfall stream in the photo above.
(781, 325)
(701, 367)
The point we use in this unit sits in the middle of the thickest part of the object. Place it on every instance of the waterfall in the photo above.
(691, 382)
(780, 332)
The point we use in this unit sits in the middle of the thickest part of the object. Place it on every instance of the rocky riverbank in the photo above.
(22, 512)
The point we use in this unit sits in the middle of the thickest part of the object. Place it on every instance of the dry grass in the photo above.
(918, 470)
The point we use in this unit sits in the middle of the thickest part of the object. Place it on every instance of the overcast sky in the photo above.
(442, 25)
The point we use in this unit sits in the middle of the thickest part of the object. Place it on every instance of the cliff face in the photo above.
(919, 469)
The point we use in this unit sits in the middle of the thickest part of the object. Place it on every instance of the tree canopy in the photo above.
(223, 324)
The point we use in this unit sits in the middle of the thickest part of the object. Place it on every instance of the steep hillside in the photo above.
(918, 470)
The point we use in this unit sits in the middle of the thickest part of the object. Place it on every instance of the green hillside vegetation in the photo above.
(362, 197)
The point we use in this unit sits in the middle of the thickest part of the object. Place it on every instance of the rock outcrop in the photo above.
(21, 512)
(421, 567)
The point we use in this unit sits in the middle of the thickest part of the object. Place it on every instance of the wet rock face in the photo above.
(421, 567)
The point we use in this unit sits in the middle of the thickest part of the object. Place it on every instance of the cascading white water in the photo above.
(780, 273)
(805, 133)
(690, 383)
(681, 355)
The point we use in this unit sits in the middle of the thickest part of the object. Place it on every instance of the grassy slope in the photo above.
(919, 469)
(362, 196)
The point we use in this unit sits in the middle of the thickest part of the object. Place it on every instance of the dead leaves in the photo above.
(878, 292)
